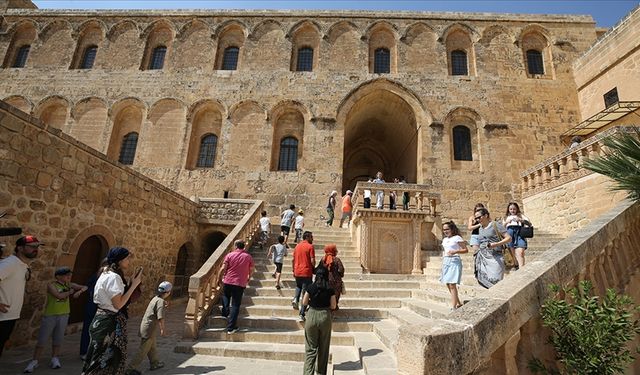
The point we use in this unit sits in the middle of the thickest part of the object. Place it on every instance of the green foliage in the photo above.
(590, 334)
(621, 163)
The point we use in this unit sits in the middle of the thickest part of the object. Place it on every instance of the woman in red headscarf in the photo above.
(336, 269)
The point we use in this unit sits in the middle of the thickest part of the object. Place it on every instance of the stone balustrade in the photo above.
(500, 330)
(420, 196)
(205, 286)
(566, 166)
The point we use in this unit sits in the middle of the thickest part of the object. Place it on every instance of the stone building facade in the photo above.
(287, 106)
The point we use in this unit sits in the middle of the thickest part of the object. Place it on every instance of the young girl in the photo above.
(514, 220)
(453, 245)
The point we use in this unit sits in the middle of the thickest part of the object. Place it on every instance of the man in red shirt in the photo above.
(304, 260)
(236, 270)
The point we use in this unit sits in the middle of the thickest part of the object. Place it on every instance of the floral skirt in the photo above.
(107, 354)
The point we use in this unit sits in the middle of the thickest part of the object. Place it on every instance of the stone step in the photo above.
(349, 284)
(248, 323)
(289, 312)
(254, 350)
(376, 358)
(427, 309)
(407, 317)
(272, 336)
(346, 302)
(387, 332)
(361, 293)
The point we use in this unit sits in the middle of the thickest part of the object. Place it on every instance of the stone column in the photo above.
(365, 232)
(417, 250)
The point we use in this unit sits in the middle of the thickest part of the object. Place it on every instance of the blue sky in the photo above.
(605, 12)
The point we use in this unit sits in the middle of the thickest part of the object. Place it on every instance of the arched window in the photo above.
(157, 58)
(288, 160)
(89, 57)
(128, 148)
(535, 64)
(459, 65)
(462, 143)
(207, 154)
(230, 58)
(381, 61)
(21, 57)
(305, 60)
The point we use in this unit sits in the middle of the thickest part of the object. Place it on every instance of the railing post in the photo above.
(417, 249)
(563, 167)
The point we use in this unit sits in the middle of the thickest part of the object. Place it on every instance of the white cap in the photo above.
(164, 287)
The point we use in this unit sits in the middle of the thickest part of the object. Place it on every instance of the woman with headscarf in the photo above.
(336, 270)
(107, 352)
(321, 299)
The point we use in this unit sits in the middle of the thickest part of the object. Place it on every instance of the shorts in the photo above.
(278, 267)
(52, 326)
(516, 240)
(285, 229)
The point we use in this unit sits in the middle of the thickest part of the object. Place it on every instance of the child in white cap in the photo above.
(153, 316)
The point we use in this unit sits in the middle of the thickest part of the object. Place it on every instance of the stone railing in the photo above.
(205, 286)
(223, 211)
(500, 330)
(421, 198)
(566, 166)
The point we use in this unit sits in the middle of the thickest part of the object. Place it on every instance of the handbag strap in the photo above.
(495, 227)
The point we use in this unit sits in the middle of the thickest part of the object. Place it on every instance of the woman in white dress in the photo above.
(453, 245)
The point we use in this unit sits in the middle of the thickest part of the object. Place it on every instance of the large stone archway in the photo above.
(381, 133)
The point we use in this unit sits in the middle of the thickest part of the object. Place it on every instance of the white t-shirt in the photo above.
(451, 243)
(13, 279)
(287, 217)
(109, 285)
(512, 220)
(367, 193)
(265, 224)
(299, 222)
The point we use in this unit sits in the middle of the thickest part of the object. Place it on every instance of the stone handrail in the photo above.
(566, 166)
(421, 198)
(500, 330)
(205, 286)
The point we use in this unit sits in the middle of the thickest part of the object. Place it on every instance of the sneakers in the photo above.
(160, 364)
(31, 366)
(55, 363)
(294, 304)
(301, 318)
(232, 330)
(273, 275)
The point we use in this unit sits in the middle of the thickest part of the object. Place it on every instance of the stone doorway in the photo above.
(87, 263)
(210, 243)
(380, 134)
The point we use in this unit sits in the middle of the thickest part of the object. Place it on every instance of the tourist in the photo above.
(236, 271)
(347, 208)
(379, 193)
(153, 318)
(513, 221)
(265, 229)
(575, 141)
(56, 316)
(14, 274)
(474, 226)
(90, 309)
(405, 195)
(489, 264)
(304, 260)
(107, 352)
(285, 223)
(367, 196)
(452, 245)
(299, 225)
(277, 252)
(331, 207)
(321, 300)
(335, 268)
(393, 196)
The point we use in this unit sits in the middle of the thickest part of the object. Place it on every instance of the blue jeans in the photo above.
(233, 294)
(302, 283)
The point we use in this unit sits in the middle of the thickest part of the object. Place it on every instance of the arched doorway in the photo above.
(380, 134)
(210, 243)
(88, 259)
(181, 278)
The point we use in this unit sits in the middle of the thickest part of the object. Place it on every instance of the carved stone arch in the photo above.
(122, 103)
(92, 23)
(20, 102)
(158, 25)
(193, 25)
(53, 111)
(231, 24)
(287, 105)
(238, 110)
(124, 116)
(204, 103)
(95, 230)
(265, 27)
(458, 26)
(53, 26)
(379, 26)
(469, 140)
(534, 29)
(162, 101)
(302, 25)
(26, 23)
(414, 30)
(465, 112)
(120, 28)
(73, 112)
(493, 31)
(338, 29)
(52, 99)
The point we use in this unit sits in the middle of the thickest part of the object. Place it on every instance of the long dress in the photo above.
(336, 273)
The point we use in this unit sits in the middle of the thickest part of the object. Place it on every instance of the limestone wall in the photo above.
(613, 62)
(514, 119)
(65, 192)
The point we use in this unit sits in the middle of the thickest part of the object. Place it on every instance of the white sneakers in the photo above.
(33, 364)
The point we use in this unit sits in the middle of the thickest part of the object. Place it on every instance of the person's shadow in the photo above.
(190, 370)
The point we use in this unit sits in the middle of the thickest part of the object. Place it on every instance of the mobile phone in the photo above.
(138, 271)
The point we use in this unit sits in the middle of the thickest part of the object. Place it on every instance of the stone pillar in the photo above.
(365, 232)
(563, 167)
(417, 250)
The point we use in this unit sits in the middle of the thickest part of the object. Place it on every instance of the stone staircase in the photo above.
(365, 328)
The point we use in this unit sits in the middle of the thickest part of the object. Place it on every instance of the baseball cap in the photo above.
(61, 271)
(28, 240)
(164, 287)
